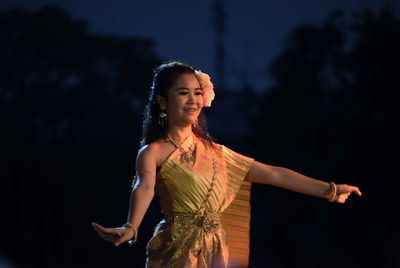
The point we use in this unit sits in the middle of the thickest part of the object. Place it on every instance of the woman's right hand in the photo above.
(117, 236)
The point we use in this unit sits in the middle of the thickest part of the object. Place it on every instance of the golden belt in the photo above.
(209, 221)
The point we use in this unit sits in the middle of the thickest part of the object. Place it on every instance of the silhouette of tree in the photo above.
(62, 83)
(71, 106)
(332, 113)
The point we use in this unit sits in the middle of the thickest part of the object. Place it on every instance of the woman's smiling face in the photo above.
(184, 100)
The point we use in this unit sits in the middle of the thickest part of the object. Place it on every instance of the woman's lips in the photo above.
(190, 110)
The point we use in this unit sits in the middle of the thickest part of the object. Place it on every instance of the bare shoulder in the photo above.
(146, 160)
(148, 151)
(157, 151)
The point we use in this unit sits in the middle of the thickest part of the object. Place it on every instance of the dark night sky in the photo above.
(351, 137)
(183, 29)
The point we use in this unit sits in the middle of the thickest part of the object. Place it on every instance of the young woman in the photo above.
(203, 187)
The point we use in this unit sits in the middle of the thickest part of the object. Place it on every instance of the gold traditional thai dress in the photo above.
(206, 205)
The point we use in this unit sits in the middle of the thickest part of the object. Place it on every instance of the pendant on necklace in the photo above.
(189, 155)
(186, 156)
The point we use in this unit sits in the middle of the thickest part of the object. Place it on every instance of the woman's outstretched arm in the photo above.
(294, 181)
(141, 196)
(143, 191)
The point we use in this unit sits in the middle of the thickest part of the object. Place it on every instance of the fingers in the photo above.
(119, 242)
(120, 239)
(357, 191)
(108, 234)
(343, 197)
(344, 191)
(109, 238)
(344, 188)
(116, 236)
(98, 227)
(113, 238)
(106, 231)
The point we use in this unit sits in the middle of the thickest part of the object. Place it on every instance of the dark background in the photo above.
(71, 103)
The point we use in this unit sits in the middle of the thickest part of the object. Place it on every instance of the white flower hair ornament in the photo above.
(207, 86)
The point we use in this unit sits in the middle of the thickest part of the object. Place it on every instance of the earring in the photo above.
(196, 123)
(162, 119)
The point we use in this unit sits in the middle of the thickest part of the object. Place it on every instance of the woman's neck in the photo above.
(180, 133)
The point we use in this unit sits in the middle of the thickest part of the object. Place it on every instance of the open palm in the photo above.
(116, 236)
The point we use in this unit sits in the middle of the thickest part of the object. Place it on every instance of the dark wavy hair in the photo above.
(164, 77)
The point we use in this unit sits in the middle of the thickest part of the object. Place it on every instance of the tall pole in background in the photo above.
(218, 22)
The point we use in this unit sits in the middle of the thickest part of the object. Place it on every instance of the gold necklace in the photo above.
(186, 156)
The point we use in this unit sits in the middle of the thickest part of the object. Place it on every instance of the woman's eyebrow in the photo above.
(180, 88)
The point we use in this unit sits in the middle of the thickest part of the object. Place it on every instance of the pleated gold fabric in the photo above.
(192, 235)
(236, 222)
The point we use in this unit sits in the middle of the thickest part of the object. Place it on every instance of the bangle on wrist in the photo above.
(134, 229)
(332, 192)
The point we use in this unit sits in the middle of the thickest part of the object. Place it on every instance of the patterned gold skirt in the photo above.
(187, 240)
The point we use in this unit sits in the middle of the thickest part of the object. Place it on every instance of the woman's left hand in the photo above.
(344, 191)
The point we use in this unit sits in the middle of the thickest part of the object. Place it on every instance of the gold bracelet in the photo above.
(333, 192)
(134, 229)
